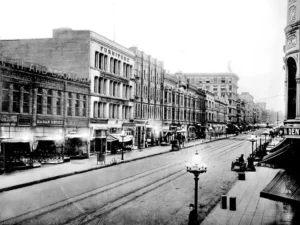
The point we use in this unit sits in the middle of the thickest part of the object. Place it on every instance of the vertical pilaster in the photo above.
(33, 104)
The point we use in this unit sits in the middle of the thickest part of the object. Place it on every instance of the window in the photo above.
(77, 105)
(49, 102)
(26, 99)
(230, 88)
(84, 106)
(16, 98)
(229, 80)
(58, 103)
(5, 97)
(39, 101)
(207, 80)
(69, 104)
(223, 80)
(215, 88)
(223, 88)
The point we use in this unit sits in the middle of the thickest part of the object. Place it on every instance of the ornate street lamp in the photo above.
(196, 167)
(123, 134)
(252, 139)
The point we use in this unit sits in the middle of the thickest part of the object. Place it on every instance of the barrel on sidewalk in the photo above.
(232, 203)
(223, 202)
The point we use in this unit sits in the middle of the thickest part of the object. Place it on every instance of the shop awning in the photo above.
(284, 187)
(111, 138)
(120, 139)
(274, 155)
(81, 136)
(15, 141)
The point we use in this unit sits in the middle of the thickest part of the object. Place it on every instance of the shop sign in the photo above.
(49, 122)
(292, 131)
(8, 119)
(24, 121)
(77, 123)
(99, 121)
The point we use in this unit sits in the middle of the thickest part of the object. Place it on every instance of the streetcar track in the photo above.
(102, 212)
(100, 190)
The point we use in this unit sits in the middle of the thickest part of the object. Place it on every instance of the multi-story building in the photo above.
(221, 83)
(37, 101)
(183, 107)
(148, 73)
(91, 56)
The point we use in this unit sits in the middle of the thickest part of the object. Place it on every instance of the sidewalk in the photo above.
(250, 208)
(23, 178)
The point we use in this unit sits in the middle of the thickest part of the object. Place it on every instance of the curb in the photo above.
(91, 169)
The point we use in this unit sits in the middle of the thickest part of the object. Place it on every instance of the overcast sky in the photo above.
(188, 35)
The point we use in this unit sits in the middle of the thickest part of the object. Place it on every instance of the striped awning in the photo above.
(111, 138)
(284, 187)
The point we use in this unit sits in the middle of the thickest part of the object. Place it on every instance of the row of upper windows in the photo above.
(183, 101)
(47, 103)
(147, 112)
(154, 93)
(153, 77)
(185, 115)
(113, 65)
(100, 87)
(211, 80)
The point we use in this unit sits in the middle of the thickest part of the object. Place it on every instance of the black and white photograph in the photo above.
(139, 112)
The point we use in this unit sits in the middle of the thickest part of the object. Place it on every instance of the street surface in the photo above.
(155, 190)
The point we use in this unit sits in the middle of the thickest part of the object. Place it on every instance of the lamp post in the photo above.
(252, 139)
(196, 167)
(123, 134)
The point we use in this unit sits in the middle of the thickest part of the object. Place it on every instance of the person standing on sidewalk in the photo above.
(193, 218)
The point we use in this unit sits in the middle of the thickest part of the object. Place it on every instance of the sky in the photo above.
(189, 36)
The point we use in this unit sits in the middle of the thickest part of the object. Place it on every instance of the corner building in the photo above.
(292, 73)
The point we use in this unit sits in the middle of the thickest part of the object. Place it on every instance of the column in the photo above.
(34, 97)
(21, 99)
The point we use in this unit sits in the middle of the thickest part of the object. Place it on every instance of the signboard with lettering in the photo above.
(292, 131)
(40, 121)
(8, 119)
(77, 122)
(24, 121)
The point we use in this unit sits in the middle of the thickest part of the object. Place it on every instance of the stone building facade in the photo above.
(222, 84)
(39, 101)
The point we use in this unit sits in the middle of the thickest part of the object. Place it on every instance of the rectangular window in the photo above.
(26, 99)
(39, 104)
(69, 105)
(16, 99)
(5, 97)
(223, 80)
(49, 105)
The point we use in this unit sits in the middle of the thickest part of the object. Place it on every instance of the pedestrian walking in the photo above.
(193, 217)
